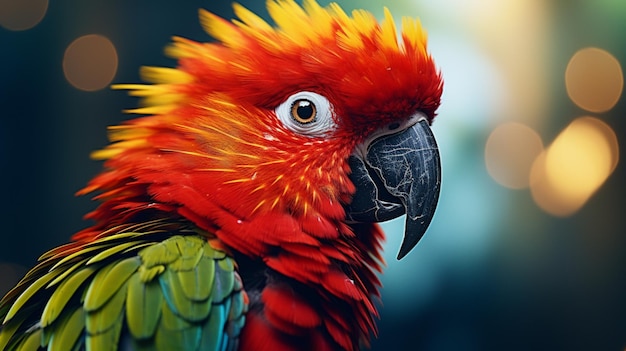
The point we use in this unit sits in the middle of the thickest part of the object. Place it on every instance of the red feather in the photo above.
(284, 304)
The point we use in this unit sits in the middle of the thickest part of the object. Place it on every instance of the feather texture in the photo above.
(107, 299)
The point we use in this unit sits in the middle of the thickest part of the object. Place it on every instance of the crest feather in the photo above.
(307, 43)
(298, 26)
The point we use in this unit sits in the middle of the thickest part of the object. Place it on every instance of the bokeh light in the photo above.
(594, 79)
(19, 15)
(90, 62)
(509, 154)
(574, 166)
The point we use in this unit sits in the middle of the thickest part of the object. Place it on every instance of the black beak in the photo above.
(397, 171)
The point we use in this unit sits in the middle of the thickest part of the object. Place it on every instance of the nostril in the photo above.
(394, 126)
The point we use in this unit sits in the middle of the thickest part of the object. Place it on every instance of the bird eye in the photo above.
(307, 113)
(303, 111)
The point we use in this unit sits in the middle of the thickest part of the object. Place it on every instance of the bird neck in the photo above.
(321, 299)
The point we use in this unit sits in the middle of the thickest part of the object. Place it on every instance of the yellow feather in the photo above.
(235, 181)
(321, 17)
(275, 202)
(251, 19)
(260, 187)
(413, 34)
(151, 110)
(221, 29)
(258, 206)
(181, 47)
(278, 179)
(141, 89)
(228, 170)
(116, 149)
(296, 26)
(290, 18)
(347, 35)
(162, 99)
(341, 15)
(104, 154)
(165, 75)
(388, 33)
(363, 22)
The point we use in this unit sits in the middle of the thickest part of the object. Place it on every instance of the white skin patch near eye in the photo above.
(307, 113)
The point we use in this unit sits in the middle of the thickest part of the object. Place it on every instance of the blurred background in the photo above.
(527, 250)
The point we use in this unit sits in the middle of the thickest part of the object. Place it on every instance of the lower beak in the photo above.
(397, 174)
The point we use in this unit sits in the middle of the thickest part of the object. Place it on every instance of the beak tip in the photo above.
(401, 254)
(409, 242)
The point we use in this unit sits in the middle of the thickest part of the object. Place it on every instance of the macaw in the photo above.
(239, 211)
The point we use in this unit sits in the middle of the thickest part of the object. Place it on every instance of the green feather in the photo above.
(138, 247)
(237, 308)
(213, 331)
(224, 282)
(112, 251)
(172, 321)
(108, 283)
(186, 339)
(8, 330)
(66, 272)
(63, 294)
(210, 252)
(226, 264)
(190, 249)
(68, 331)
(31, 342)
(178, 302)
(198, 282)
(142, 307)
(90, 302)
(79, 253)
(108, 314)
(103, 341)
(159, 254)
(174, 333)
(161, 291)
(236, 322)
(29, 292)
(148, 274)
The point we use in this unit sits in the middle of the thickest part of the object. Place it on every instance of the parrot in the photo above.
(239, 208)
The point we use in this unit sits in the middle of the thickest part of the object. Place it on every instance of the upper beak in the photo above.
(397, 171)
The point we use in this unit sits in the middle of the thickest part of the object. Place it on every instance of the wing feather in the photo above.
(63, 293)
(68, 332)
(108, 282)
(144, 286)
(142, 307)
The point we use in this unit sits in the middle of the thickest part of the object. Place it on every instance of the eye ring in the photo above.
(307, 113)
(303, 111)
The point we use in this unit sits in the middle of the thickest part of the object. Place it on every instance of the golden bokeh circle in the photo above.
(594, 80)
(574, 166)
(90, 62)
(510, 151)
(20, 15)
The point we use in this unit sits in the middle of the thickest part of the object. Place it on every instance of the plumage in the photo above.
(239, 211)
(92, 306)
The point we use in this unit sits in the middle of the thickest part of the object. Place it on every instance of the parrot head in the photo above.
(286, 143)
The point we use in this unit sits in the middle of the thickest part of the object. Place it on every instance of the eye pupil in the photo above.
(303, 111)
